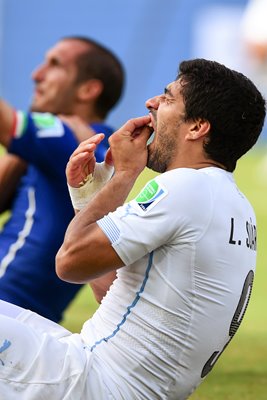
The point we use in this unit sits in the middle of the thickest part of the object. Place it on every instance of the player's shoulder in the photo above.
(189, 184)
(42, 124)
(185, 178)
(47, 124)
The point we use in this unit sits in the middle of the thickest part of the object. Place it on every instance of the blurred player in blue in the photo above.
(78, 77)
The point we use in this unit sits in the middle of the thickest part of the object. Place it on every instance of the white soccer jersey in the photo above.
(188, 242)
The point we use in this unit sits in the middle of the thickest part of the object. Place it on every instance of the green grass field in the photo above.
(241, 372)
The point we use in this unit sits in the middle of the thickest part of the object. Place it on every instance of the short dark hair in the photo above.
(100, 63)
(230, 102)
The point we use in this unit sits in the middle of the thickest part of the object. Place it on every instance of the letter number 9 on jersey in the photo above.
(235, 323)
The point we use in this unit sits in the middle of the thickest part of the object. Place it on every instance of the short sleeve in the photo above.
(164, 213)
(44, 141)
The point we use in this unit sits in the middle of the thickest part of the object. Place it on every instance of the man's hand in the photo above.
(86, 252)
(128, 146)
(82, 161)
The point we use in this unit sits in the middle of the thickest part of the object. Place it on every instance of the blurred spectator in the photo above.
(255, 28)
(254, 34)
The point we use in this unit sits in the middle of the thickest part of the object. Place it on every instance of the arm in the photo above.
(86, 252)
(6, 123)
(11, 170)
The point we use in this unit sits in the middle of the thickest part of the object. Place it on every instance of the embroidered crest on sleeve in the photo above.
(48, 125)
(150, 195)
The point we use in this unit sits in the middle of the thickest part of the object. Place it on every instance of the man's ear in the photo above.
(198, 129)
(90, 90)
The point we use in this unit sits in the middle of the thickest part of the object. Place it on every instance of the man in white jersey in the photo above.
(183, 251)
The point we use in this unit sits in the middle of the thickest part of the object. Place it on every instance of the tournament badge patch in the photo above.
(150, 195)
(48, 125)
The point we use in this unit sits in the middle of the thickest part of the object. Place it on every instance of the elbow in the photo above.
(62, 265)
(65, 266)
(72, 265)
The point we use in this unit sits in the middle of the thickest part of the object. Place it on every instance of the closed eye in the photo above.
(166, 99)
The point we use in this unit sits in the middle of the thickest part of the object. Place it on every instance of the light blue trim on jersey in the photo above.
(129, 308)
(110, 228)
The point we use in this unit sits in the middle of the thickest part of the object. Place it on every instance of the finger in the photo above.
(90, 143)
(88, 148)
(144, 130)
(80, 158)
(135, 123)
(97, 138)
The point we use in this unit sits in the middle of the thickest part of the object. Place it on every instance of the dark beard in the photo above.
(161, 155)
(155, 162)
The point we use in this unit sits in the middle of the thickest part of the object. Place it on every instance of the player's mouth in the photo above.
(38, 92)
(152, 131)
(152, 123)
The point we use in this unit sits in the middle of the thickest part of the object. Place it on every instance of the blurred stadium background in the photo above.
(151, 37)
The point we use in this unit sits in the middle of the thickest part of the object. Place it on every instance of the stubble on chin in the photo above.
(35, 107)
(43, 108)
(155, 162)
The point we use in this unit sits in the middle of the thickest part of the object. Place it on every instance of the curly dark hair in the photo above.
(230, 102)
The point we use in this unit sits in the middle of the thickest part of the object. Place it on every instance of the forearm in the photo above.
(86, 252)
(111, 196)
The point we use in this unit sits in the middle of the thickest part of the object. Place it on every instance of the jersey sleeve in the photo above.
(43, 140)
(164, 213)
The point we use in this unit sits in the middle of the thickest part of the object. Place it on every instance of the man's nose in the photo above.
(38, 73)
(153, 103)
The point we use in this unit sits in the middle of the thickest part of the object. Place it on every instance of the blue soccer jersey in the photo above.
(41, 212)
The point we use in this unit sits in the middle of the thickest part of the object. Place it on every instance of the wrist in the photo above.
(127, 175)
(81, 196)
(126, 179)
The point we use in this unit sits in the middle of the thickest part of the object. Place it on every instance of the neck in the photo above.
(89, 119)
(206, 164)
(87, 115)
(193, 156)
(195, 164)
